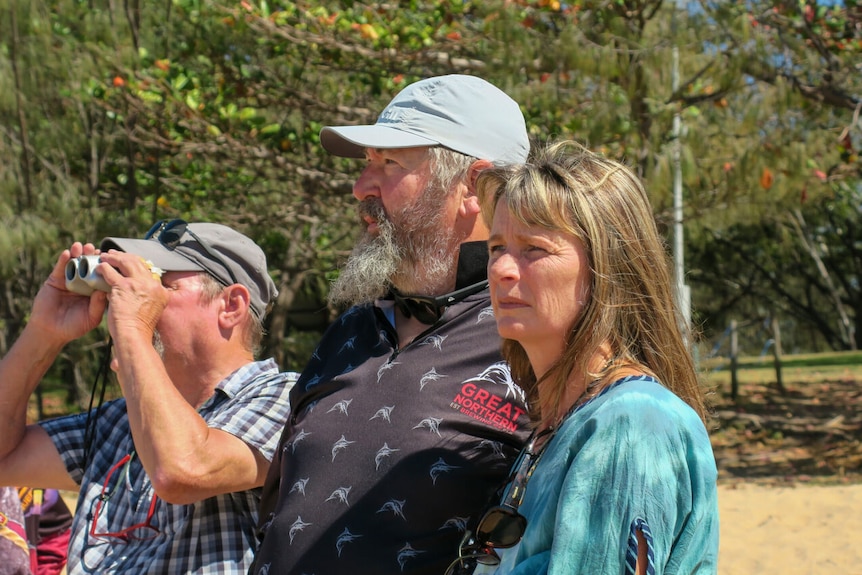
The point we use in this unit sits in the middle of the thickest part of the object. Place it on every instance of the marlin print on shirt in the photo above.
(299, 486)
(341, 406)
(499, 374)
(340, 495)
(339, 445)
(438, 468)
(297, 526)
(383, 413)
(386, 367)
(495, 447)
(430, 375)
(405, 553)
(349, 344)
(348, 314)
(486, 312)
(435, 340)
(459, 523)
(345, 537)
(382, 454)
(396, 506)
(432, 423)
(296, 439)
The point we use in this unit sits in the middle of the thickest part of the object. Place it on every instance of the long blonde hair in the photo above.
(602, 203)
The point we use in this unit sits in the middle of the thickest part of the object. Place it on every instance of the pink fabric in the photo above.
(51, 554)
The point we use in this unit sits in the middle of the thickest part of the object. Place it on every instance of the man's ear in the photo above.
(473, 173)
(237, 304)
(470, 201)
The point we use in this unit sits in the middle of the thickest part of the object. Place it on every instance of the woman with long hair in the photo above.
(619, 476)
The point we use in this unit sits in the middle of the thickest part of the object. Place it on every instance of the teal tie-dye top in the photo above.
(636, 457)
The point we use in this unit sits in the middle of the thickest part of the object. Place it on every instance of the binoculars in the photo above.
(81, 276)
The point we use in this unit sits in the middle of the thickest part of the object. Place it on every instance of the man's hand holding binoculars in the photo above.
(60, 315)
(83, 275)
(131, 285)
(137, 297)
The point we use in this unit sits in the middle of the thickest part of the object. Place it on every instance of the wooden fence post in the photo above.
(776, 352)
(734, 362)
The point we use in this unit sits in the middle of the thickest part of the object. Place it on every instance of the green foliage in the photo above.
(111, 118)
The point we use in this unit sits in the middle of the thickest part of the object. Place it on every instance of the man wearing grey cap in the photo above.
(169, 475)
(406, 419)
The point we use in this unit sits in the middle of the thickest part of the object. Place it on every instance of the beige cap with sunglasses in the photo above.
(224, 253)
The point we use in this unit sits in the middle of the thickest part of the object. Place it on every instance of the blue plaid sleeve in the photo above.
(68, 434)
(255, 406)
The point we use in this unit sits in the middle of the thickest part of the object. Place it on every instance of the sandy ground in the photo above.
(802, 530)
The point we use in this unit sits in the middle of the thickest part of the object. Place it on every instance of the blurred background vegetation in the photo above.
(116, 113)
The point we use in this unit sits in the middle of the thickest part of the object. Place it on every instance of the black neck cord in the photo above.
(93, 416)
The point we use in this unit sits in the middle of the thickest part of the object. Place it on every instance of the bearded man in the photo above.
(406, 420)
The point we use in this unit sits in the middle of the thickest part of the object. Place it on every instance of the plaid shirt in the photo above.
(215, 535)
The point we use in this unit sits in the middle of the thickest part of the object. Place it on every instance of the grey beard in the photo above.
(412, 252)
(158, 345)
(365, 276)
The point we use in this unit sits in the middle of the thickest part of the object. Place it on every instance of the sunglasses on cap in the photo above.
(170, 232)
(428, 309)
(502, 526)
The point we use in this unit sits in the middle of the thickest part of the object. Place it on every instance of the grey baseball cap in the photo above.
(463, 113)
(222, 252)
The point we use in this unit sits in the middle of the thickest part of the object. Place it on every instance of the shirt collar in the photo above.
(231, 385)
